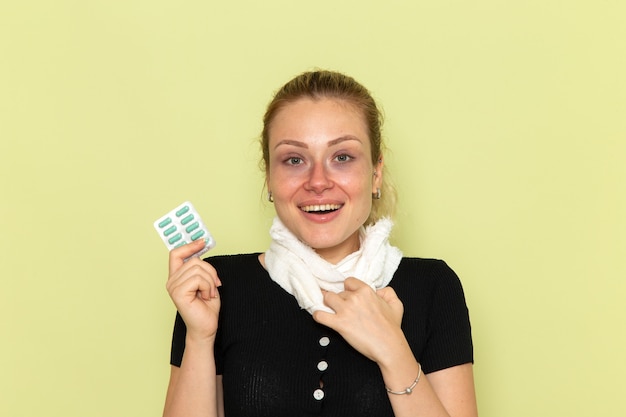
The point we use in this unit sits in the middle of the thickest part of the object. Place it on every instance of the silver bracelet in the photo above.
(409, 389)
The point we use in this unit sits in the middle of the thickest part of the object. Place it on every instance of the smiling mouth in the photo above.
(321, 208)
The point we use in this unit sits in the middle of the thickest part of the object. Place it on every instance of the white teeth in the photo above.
(321, 207)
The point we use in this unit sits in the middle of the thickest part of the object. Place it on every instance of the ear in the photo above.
(378, 175)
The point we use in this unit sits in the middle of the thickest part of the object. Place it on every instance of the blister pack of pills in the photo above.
(183, 225)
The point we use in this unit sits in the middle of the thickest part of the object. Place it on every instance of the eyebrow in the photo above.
(304, 145)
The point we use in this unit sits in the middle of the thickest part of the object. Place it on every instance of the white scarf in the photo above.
(300, 271)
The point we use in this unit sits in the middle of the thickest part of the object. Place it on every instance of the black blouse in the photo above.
(277, 361)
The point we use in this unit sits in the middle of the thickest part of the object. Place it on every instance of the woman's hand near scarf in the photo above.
(369, 320)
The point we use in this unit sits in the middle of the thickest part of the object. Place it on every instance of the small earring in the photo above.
(270, 197)
(376, 195)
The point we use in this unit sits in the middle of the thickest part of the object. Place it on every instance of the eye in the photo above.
(293, 160)
(343, 158)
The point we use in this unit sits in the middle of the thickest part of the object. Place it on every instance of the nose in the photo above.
(319, 179)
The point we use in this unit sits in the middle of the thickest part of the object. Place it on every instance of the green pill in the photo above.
(187, 219)
(165, 223)
(170, 231)
(182, 211)
(175, 238)
(192, 227)
(197, 235)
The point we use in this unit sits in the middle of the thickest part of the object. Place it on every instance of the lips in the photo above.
(321, 208)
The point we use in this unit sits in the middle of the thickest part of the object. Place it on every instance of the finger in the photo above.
(194, 266)
(333, 300)
(178, 255)
(207, 292)
(324, 317)
(390, 297)
(206, 268)
(192, 285)
(388, 294)
(192, 270)
(353, 284)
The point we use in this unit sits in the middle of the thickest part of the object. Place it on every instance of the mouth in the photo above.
(321, 208)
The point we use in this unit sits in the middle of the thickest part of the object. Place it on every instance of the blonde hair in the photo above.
(329, 84)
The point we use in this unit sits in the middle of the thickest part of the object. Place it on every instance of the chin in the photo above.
(319, 242)
(335, 242)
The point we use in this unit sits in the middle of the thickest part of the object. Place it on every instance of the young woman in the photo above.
(331, 320)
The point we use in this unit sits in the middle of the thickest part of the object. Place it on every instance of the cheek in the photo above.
(280, 183)
(358, 182)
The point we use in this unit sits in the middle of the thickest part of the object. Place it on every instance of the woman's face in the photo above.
(321, 174)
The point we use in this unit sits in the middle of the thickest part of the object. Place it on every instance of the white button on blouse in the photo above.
(318, 394)
(324, 341)
(322, 366)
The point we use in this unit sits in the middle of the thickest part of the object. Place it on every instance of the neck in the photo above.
(335, 254)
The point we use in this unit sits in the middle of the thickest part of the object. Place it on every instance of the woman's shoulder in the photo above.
(237, 267)
(425, 266)
(425, 274)
(233, 258)
(238, 262)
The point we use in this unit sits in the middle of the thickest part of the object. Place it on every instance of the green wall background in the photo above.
(507, 128)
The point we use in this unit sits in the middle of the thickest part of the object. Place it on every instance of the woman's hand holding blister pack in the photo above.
(192, 285)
